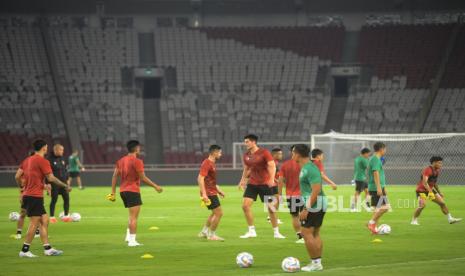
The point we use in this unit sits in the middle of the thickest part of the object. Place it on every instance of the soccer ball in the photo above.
(384, 229)
(290, 264)
(14, 216)
(75, 217)
(244, 260)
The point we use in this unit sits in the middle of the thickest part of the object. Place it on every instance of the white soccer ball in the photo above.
(14, 216)
(244, 260)
(75, 217)
(290, 264)
(384, 229)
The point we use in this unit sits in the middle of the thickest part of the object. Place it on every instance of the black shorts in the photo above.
(360, 185)
(215, 202)
(34, 206)
(295, 205)
(23, 205)
(74, 174)
(58, 190)
(131, 199)
(314, 219)
(375, 199)
(274, 190)
(262, 190)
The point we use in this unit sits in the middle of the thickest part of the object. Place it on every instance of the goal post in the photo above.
(406, 155)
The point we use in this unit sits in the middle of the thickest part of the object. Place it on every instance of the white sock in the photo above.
(127, 233)
(132, 237)
(276, 230)
(205, 229)
(212, 233)
(449, 216)
(252, 228)
(372, 221)
(414, 219)
(316, 261)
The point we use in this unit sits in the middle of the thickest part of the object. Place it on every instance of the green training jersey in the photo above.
(375, 165)
(73, 164)
(360, 168)
(310, 176)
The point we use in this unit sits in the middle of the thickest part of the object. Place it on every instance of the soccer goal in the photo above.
(406, 156)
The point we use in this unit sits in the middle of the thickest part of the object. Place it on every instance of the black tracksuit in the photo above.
(58, 165)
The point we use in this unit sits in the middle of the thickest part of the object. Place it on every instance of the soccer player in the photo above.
(317, 159)
(259, 171)
(289, 177)
(377, 186)
(75, 168)
(58, 164)
(315, 205)
(34, 169)
(209, 192)
(427, 188)
(131, 171)
(360, 177)
(277, 155)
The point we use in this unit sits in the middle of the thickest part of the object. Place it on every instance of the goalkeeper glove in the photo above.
(205, 204)
(111, 197)
(423, 196)
(431, 196)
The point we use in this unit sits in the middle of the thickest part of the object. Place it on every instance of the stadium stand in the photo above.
(28, 103)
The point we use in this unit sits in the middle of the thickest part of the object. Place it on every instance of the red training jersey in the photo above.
(35, 168)
(432, 175)
(129, 168)
(208, 170)
(258, 166)
(319, 164)
(290, 171)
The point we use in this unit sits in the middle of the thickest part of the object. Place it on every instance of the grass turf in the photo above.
(95, 246)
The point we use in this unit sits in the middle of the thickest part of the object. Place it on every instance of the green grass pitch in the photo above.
(95, 246)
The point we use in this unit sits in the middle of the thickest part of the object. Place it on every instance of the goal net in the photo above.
(406, 155)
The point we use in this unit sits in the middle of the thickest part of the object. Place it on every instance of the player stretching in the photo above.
(311, 216)
(317, 159)
(34, 169)
(277, 154)
(377, 186)
(131, 171)
(428, 188)
(58, 165)
(289, 177)
(259, 170)
(209, 192)
(360, 177)
(75, 168)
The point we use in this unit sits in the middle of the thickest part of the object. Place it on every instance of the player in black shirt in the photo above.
(58, 164)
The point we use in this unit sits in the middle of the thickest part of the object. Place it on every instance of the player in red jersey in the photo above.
(277, 154)
(131, 171)
(289, 178)
(317, 159)
(209, 191)
(257, 178)
(34, 170)
(427, 188)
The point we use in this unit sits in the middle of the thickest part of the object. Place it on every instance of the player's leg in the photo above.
(267, 197)
(53, 202)
(250, 195)
(132, 224)
(48, 249)
(217, 214)
(294, 204)
(418, 210)
(381, 206)
(313, 249)
(367, 197)
(206, 227)
(440, 201)
(65, 196)
(34, 222)
(79, 183)
(20, 224)
(353, 206)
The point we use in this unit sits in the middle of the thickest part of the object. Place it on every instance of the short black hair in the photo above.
(251, 137)
(378, 146)
(435, 159)
(131, 145)
(276, 150)
(316, 152)
(38, 144)
(302, 150)
(213, 148)
(365, 150)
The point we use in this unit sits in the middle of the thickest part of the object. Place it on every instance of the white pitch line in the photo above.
(86, 217)
(387, 265)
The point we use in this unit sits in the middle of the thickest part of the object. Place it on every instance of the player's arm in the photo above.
(149, 182)
(114, 181)
(220, 192)
(271, 167)
(54, 180)
(18, 175)
(436, 187)
(425, 183)
(245, 174)
(203, 190)
(281, 183)
(328, 180)
(316, 189)
(80, 164)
